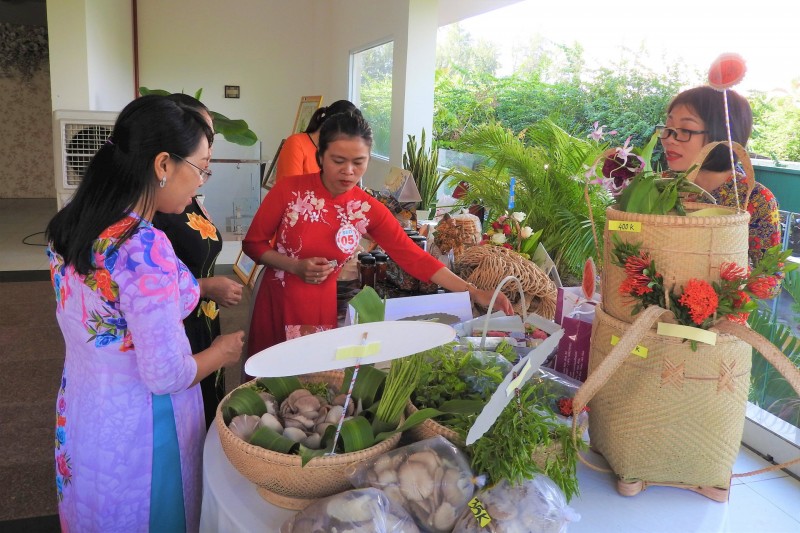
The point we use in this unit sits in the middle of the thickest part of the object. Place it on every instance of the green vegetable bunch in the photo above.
(650, 194)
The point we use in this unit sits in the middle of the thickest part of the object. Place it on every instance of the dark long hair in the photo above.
(343, 125)
(190, 102)
(321, 115)
(709, 104)
(121, 174)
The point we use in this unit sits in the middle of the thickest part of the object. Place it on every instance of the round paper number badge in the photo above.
(347, 238)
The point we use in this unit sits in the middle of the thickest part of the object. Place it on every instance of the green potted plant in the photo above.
(423, 165)
(235, 131)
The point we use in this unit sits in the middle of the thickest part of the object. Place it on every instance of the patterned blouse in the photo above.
(763, 209)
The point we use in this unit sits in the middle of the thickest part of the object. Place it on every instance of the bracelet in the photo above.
(469, 285)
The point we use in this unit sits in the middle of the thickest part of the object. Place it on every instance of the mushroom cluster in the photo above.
(301, 417)
(535, 505)
(355, 511)
(431, 479)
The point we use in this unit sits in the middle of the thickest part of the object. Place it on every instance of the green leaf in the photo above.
(271, 440)
(306, 454)
(357, 434)
(280, 387)
(145, 91)
(367, 386)
(246, 401)
(368, 305)
(465, 407)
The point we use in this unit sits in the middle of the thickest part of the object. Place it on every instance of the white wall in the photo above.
(109, 49)
(69, 68)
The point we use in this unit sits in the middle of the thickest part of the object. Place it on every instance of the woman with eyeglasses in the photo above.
(695, 118)
(129, 412)
(197, 243)
(316, 222)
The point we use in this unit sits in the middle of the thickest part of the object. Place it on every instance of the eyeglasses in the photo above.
(679, 134)
(205, 174)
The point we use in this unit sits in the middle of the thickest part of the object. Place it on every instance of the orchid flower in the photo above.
(598, 134)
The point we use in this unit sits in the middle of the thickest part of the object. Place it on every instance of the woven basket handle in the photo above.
(494, 298)
(638, 329)
(744, 158)
(774, 357)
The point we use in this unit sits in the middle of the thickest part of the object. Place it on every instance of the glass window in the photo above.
(371, 73)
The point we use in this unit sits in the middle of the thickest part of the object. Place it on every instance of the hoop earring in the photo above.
(163, 182)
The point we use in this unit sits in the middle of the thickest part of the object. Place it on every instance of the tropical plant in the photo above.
(768, 388)
(424, 167)
(235, 131)
(548, 165)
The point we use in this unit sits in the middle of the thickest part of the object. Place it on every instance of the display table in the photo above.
(230, 502)
(767, 502)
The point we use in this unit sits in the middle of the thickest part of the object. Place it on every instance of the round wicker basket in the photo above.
(280, 477)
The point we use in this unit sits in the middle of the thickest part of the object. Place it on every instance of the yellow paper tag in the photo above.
(358, 351)
(620, 225)
(517, 380)
(687, 332)
(479, 512)
(640, 350)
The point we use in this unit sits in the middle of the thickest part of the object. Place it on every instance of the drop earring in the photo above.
(163, 182)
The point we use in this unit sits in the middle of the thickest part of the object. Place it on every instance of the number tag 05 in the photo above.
(347, 238)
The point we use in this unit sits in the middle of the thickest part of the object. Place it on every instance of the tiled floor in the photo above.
(768, 503)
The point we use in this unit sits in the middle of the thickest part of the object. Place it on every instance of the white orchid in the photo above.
(519, 216)
(526, 232)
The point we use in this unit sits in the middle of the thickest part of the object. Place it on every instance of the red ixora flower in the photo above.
(565, 406)
(732, 272)
(762, 286)
(637, 283)
(700, 298)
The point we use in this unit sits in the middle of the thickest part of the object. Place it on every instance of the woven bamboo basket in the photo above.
(280, 477)
(675, 416)
(683, 247)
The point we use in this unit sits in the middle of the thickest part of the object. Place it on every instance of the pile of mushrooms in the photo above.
(301, 417)
(535, 505)
(355, 511)
(431, 479)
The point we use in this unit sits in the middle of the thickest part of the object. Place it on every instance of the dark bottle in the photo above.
(420, 241)
(366, 270)
(381, 263)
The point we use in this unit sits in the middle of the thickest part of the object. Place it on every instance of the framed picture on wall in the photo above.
(308, 104)
(251, 283)
(244, 267)
(268, 179)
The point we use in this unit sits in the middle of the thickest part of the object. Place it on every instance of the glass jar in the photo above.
(381, 264)
(366, 271)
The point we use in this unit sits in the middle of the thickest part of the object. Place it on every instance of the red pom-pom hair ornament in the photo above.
(726, 71)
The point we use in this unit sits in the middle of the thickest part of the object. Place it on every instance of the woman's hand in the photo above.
(313, 270)
(222, 290)
(483, 297)
(229, 347)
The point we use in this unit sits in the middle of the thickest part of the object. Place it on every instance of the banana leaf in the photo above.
(271, 440)
(280, 387)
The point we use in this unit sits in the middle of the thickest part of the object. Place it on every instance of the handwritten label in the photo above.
(619, 225)
(640, 350)
(358, 351)
(687, 332)
(479, 512)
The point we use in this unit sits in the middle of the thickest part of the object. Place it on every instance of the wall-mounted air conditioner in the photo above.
(77, 135)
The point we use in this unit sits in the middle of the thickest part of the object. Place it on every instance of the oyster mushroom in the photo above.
(445, 517)
(243, 426)
(271, 421)
(415, 480)
(351, 509)
(295, 434)
(456, 488)
(313, 441)
(429, 459)
(270, 402)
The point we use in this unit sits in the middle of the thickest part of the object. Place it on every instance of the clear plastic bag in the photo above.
(431, 479)
(354, 511)
(536, 506)
(475, 375)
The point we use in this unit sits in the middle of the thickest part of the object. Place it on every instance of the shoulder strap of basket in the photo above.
(744, 158)
(638, 329)
(774, 357)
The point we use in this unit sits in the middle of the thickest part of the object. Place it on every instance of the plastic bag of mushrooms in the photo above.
(353, 511)
(431, 479)
(537, 505)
